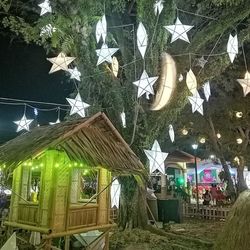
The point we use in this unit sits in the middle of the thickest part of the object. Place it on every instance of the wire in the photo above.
(244, 56)
(195, 14)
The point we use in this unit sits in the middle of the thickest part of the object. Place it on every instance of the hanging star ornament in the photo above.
(191, 81)
(179, 31)
(75, 74)
(171, 132)
(77, 105)
(56, 122)
(23, 124)
(245, 83)
(201, 62)
(207, 91)
(145, 84)
(115, 191)
(232, 47)
(196, 102)
(45, 7)
(142, 39)
(156, 158)
(60, 62)
(105, 54)
(101, 29)
(158, 7)
(47, 30)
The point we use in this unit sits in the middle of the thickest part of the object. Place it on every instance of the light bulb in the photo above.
(239, 140)
(239, 114)
(184, 131)
(218, 135)
(202, 140)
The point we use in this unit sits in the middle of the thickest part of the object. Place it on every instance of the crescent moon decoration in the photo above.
(167, 82)
(115, 66)
(191, 81)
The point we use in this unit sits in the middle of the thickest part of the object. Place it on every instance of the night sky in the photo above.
(24, 75)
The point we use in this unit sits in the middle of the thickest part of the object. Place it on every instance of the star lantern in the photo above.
(75, 74)
(207, 91)
(45, 7)
(201, 62)
(142, 39)
(60, 62)
(245, 83)
(232, 47)
(145, 84)
(101, 29)
(171, 133)
(179, 31)
(191, 81)
(156, 158)
(158, 7)
(115, 193)
(23, 124)
(47, 30)
(77, 105)
(105, 54)
(196, 102)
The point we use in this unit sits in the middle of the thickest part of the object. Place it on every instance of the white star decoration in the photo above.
(207, 91)
(158, 6)
(196, 102)
(156, 158)
(105, 54)
(23, 124)
(115, 193)
(77, 105)
(232, 47)
(60, 62)
(45, 7)
(145, 84)
(101, 29)
(201, 62)
(171, 133)
(179, 31)
(75, 74)
(245, 83)
(47, 30)
(191, 81)
(142, 39)
(56, 122)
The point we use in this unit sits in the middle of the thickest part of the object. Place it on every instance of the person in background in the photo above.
(213, 192)
(206, 198)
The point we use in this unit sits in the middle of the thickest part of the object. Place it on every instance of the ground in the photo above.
(192, 234)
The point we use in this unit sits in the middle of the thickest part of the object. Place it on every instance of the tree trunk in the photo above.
(132, 210)
(241, 182)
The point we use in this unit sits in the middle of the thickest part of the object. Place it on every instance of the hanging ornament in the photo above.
(142, 39)
(207, 91)
(202, 140)
(184, 131)
(35, 112)
(156, 158)
(201, 62)
(77, 105)
(191, 82)
(239, 114)
(123, 118)
(232, 47)
(115, 193)
(45, 7)
(158, 7)
(180, 79)
(167, 82)
(171, 133)
(239, 140)
(179, 31)
(145, 85)
(56, 122)
(47, 30)
(196, 102)
(105, 54)
(245, 83)
(101, 29)
(23, 124)
(75, 74)
(115, 66)
(218, 135)
(60, 62)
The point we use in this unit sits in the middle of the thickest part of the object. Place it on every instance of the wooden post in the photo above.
(67, 243)
(106, 247)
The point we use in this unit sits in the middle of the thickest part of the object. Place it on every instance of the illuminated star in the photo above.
(156, 158)
(142, 39)
(77, 105)
(115, 193)
(23, 124)
(179, 31)
(105, 54)
(56, 122)
(196, 102)
(201, 62)
(158, 6)
(232, 47)
(45, 7)
(245, 83)
(75, 74)
(60, 62)
(101, 29)
(145, 84)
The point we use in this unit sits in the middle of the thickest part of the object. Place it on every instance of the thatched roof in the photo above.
(180, 156)
(93, 140)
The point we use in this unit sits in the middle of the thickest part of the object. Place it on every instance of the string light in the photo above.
(218, 135)
(184, 131)
(239, 114)
(239, 140)
(202, 140)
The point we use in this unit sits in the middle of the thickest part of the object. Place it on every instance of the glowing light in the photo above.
(236, 159)
(239, 114)
(218, 135)
(57, 165)
(212, 156)
(184, 131)
(195, 146)
(239, 140)
(202, 140)
(30, 164)
(75, 164)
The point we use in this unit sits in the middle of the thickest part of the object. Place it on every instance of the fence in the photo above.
(205, 212)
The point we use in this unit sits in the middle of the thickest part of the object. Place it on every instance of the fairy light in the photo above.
(202, 140)
(239, 114)
(239, 140)
(184, 131)
(218, 135)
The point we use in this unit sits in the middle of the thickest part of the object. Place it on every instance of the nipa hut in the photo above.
(62, 175)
